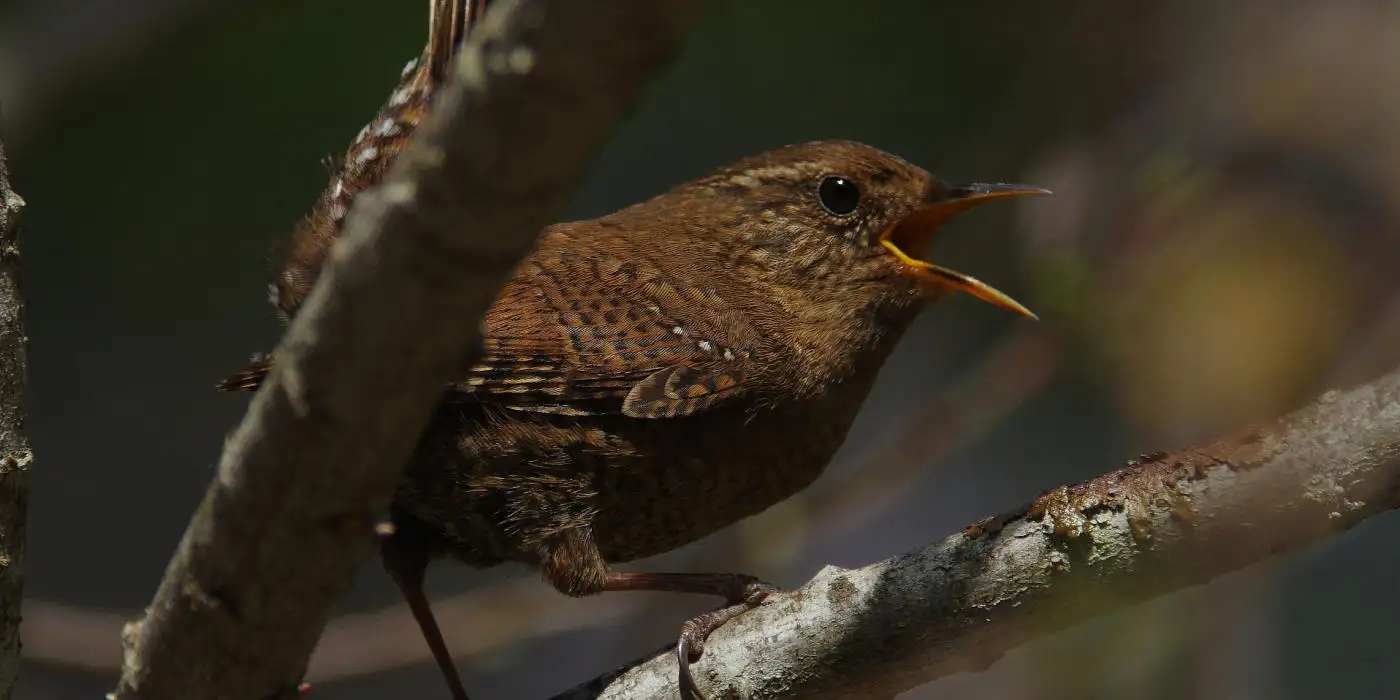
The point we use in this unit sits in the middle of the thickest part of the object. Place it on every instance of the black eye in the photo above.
(838, 195)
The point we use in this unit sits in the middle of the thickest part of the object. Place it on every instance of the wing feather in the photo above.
(598, 334)
(602, 334)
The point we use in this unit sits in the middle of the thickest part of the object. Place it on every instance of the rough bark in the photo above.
(15, 455)
(1159, 524)
(290, 514)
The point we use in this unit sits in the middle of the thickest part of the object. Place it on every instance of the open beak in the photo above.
(914, 232)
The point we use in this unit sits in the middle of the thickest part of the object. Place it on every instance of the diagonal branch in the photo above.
(1155, 526)
(290, 515)
(15, 455)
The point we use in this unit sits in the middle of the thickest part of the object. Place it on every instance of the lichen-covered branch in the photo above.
(1157, 525)
(15, 455)
(290, 514)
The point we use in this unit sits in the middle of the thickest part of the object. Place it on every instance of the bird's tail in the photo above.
(300, 256)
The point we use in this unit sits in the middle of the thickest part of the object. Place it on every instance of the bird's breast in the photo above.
(499, 483)
(697, 475)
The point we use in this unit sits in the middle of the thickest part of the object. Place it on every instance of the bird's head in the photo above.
(840, 222)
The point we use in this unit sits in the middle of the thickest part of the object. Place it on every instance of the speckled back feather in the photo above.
(600, 328)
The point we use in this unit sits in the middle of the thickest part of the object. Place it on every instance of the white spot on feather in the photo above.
(744, 181)
(366, 154)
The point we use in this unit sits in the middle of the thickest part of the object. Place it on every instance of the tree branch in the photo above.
(15, 455)
(1076, 552)
(302, 480)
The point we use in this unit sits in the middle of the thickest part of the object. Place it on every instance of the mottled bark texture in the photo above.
(1159, 524)
(15, 455)
(290, 514)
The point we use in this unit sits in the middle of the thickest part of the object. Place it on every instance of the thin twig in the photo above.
(1076, 552)
(536, 91)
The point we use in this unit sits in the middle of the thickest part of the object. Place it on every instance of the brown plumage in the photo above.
(657, 374)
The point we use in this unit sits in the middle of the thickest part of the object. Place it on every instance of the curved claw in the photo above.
(691, 645)
(689, 690)
(740, 593)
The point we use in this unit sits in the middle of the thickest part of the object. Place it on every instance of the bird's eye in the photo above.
(838, 195)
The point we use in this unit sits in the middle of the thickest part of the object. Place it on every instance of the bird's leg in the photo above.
(741, 594)
(570, 561)
(406, 560)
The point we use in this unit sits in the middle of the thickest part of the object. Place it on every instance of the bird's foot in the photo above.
(747, 594)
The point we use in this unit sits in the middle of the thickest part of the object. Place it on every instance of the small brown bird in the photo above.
(654, 375)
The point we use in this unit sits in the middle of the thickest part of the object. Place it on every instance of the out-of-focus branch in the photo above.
(1014, 370)
(1076, 552)
(290, 515)
(352, 646)
(361, 645)
(15, 455)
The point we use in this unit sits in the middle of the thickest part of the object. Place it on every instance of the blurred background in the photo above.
(1223, 246)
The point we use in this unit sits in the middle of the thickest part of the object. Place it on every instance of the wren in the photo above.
(656, 374)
